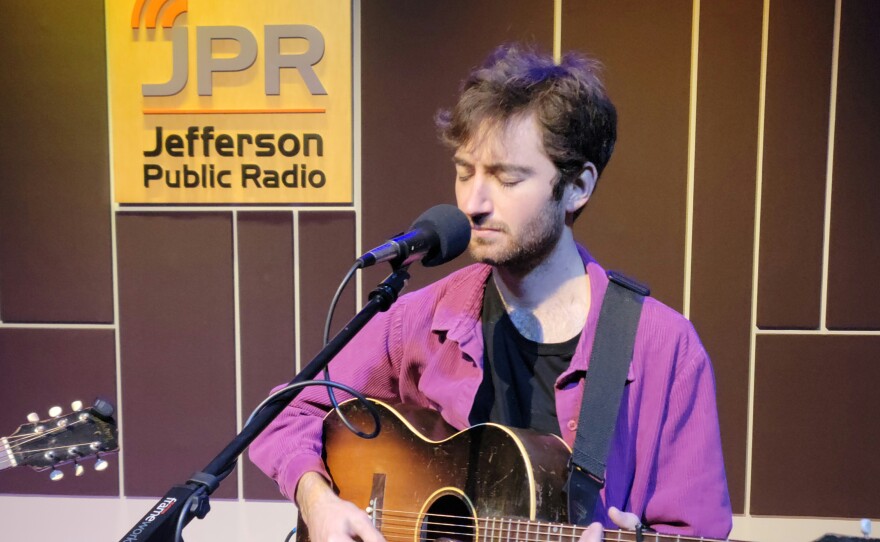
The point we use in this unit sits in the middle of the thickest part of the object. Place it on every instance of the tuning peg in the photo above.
(78, 469)
(865, 525)
(55, 411)
(56, 475)
(33, 417)
(101, 464)
(76, 405)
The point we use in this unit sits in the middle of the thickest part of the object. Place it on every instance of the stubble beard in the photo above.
(522, 255)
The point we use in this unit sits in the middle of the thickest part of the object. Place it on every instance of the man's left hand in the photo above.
(624, 520)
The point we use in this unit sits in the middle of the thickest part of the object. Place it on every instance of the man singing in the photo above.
(508, 339)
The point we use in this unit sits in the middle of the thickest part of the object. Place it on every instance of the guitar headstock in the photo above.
(62, 439)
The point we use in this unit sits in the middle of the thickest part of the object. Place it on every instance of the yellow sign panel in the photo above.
(224, 101)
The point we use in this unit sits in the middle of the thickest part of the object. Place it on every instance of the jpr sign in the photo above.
(207, 64)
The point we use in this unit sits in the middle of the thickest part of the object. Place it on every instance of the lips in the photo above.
(488, 227)
(484, 232)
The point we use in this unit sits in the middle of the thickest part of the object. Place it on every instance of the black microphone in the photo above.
(439, 235)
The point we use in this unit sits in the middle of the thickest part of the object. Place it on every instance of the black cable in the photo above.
(357, 265)
(345, 280)
(184, 513)
(374, 412)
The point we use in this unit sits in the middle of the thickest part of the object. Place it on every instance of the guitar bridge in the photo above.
(377, 500)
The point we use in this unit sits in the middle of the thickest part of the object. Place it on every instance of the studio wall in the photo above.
(740, 191)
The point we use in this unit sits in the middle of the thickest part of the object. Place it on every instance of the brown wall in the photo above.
(176, 313)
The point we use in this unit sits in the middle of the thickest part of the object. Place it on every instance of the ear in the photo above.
(578, 193)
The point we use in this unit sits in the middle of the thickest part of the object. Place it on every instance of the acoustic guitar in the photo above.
(421, 480)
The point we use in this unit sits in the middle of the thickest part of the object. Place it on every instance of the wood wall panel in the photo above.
(795, 152)
(853, 298)
(266, 308)
(813, 439)
(55, 263)
(48, 367)
(326, 252)
(414, 56)
(635, 221)
(176, 326)
(815, 434)
(724, 212)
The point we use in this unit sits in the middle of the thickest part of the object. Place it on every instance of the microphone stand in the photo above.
(185, 501)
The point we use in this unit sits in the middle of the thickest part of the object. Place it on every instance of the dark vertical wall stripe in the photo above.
(815, 438)
(48, 367)
(177, 346)
(266, 307)
(636, 219)
(853, 298)
(795, 151)
(55, 258)
(326, 252)
(414, 55)
(724, 212)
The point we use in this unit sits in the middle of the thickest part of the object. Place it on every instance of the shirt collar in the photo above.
(458, 313)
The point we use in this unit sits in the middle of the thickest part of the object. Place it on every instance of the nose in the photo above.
(473, 197)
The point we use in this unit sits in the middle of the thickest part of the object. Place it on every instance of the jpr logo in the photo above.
(207, 63)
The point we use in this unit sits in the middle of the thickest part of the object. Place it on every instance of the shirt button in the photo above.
(572, 425)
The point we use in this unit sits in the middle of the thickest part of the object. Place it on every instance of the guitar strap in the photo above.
(605, 379)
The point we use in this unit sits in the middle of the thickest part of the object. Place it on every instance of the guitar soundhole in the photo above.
(449, 518)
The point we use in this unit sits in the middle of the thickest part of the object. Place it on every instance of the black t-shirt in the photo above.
(519, 375)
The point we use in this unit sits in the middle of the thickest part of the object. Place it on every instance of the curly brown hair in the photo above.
(578, 120)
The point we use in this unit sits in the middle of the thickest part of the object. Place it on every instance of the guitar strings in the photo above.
(514, 529)
(398, 519)
(627, 537)
(29, 437)
(16, 442)
(556, 528)
(507, 535)
(53, 448)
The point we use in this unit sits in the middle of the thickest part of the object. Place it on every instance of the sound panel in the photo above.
(177, 335)
(815, 432)
(266, 312)
(326, 252)
(795, 152)
(724, 212)
(635, 221)
(55, 253)
(853, 298)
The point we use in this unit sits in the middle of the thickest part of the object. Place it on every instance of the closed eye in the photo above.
(463, 174)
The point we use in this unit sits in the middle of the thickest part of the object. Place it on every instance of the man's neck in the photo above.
(550, 303)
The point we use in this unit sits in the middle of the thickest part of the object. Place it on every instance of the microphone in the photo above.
(439, 235)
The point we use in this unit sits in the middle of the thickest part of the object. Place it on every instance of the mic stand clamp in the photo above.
(183, 502)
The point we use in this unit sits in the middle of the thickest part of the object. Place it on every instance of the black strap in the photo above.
(606, 377)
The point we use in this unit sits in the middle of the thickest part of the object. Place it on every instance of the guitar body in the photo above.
(420, 473)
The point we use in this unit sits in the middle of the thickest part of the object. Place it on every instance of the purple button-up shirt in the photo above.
(665, 463)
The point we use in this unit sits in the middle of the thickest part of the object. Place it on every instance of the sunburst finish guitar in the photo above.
(420, 480)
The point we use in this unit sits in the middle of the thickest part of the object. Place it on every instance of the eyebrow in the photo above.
(496, 168)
